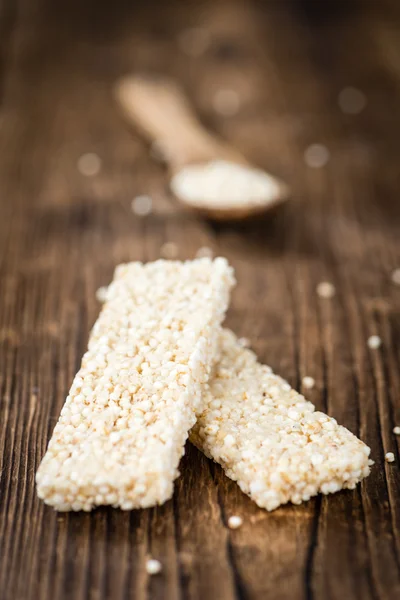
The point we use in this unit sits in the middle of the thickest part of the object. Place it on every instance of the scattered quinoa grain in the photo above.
(89, 164)
(101, 294)
(308, 382)
(234, 522)
(153, 566)
(389, 457)
(142, 205)
(374, 342)
(396, 430)
(352, 101)
(204, 252)
(316, 156)
(325, 289)
(169, 250)
(124, 424)
(396, 276)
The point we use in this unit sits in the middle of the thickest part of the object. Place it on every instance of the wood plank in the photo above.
(61, 234)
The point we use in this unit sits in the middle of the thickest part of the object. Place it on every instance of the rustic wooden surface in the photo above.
(61, 234)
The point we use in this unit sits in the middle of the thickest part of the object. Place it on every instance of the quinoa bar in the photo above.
(268, 438)
(124, 424)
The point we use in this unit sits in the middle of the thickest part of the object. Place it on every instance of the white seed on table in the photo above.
(204, 252)
(374, 342)
(396, 430)
(89, 164)
(153, 566)
(124, 424)
(316, 156)
(169, 250)
(234, 522)
(352, 101)
(325, 289)
(101, 294)
(396, 276)
(308, 382)
(142, 205)
(389, 457)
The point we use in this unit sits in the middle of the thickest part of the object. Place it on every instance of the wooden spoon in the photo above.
(160, 109)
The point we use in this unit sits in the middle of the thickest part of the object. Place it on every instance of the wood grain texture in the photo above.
(61, 234)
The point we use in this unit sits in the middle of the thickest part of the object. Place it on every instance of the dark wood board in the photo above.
(61, 235)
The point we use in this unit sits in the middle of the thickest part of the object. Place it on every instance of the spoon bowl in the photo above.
(207, 175)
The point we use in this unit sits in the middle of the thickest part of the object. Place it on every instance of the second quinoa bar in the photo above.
(268, 438)
(123, 427)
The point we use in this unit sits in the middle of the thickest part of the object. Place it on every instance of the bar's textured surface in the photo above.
(124, 424)
(268, 438)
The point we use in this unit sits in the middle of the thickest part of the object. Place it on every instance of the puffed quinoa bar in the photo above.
(124, 424)
(268, 438)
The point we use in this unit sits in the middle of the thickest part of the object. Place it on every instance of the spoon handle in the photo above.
(160, 109)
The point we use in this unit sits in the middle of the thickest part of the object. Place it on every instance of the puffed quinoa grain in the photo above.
(374, 342)
(124, 424)
(352, 100)
(142, 205)
(169, 250)
(101, 294)
(325, 289)
(389, 457)
(204, 251)
(316, 156)
(396, 276)
(153, 566)
(280, 449)
(89, 164)
(308, 382)
(234, 522)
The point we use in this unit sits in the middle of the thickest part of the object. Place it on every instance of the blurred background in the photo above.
(275, 78)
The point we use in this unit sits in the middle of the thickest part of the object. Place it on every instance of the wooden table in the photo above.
(62, 233)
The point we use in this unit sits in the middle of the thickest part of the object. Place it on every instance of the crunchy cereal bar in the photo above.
(268, 438)
(124, 424)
